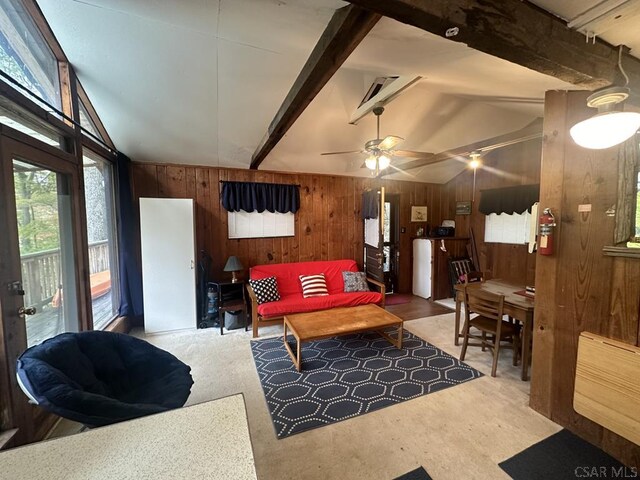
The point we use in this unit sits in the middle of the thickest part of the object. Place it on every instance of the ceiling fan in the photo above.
(380, 151)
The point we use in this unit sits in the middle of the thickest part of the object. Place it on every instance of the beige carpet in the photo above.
(460, 432)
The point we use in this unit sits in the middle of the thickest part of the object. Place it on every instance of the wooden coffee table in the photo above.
(307, 327)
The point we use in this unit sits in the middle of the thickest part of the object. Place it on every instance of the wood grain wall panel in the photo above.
(145, 180)
(514, 165)
(578, 288)
(327, 226)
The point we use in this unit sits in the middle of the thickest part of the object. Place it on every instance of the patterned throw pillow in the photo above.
(314, 285)
(355, 282)
(266, 290)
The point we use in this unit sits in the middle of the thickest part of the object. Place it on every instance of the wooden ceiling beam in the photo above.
(529, 132)
(519, 32)
(346, 29)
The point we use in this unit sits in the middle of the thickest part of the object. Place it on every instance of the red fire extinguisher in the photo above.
(546, 224)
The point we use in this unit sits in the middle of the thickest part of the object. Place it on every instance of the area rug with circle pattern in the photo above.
(350, 375)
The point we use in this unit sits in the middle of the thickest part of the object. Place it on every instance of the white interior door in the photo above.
(168, 264)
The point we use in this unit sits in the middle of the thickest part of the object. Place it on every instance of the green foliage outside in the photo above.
(37, 208)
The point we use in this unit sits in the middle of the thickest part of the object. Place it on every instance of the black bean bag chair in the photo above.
(99, 378)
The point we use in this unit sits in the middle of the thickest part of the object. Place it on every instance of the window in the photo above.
(505, 228)
(24, 54)
(32, 128)
(86, 122)
(260, 225)
(101, 235)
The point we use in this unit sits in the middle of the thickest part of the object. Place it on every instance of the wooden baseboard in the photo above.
(119, 325)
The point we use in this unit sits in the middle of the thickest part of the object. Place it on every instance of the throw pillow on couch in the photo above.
(266, 290)
(314, 285)
(355, 282)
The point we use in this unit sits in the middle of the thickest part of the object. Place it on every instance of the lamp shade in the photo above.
(605, 129)
(384, 162)
(233, 264)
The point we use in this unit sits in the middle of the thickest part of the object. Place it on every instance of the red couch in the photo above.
(291, 299)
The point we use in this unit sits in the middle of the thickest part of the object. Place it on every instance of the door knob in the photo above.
(22, 311)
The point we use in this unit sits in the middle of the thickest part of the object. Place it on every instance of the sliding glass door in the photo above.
(40, 264)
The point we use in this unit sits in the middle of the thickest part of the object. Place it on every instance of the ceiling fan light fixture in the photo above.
(383, 162)
(608, 127)
(371, 162)
(474, 161)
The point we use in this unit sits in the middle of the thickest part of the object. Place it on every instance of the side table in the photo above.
(231, 298)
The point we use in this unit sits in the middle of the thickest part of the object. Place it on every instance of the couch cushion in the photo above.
(298, 304)
(287, 274)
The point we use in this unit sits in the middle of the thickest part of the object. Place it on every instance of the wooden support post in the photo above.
(518, 32)
(346, 29)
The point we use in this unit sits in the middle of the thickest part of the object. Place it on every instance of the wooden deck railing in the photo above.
(41, 275)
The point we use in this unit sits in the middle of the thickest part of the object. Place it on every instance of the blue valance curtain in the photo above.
(252, 197)
(370, 205)
(509, 200)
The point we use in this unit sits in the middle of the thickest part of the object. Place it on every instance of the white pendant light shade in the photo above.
(605, 129)
(371, 162)
(383, 162)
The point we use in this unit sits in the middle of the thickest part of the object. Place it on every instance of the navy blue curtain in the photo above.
(509, 200)
(130, 269)
(251, 197)
(370, 204)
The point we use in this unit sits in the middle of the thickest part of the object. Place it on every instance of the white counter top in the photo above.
(206, 441)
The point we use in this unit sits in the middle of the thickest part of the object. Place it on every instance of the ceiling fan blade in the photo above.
(412, 154)
(389, 142)
(340, 153)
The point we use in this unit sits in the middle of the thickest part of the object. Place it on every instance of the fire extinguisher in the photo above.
(546, 224)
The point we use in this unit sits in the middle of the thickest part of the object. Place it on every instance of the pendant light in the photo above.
(610, 126)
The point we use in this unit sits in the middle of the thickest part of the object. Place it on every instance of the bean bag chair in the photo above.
(98, 378)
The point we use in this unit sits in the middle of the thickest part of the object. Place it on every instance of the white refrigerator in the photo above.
(168, 264)
(422, 263)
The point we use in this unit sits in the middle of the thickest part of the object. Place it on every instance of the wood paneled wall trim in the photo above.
(327, 226)
(578, 288)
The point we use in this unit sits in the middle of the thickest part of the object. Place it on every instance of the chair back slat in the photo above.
(487, 304)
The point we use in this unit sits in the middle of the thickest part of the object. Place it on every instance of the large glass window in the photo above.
(24, 54)
(31, 128)
(86, 122)
(101, 234)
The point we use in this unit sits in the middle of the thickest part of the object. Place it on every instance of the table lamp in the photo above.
(233, 265)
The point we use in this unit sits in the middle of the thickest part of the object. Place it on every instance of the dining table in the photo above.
(517, 305)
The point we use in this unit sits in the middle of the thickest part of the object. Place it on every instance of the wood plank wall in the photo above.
(514, 165)
(328, 224)
(578, 288)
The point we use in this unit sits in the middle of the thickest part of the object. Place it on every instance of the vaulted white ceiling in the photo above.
(198, 82)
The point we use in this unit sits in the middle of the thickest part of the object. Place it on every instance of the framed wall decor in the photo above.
(463, 208)
(418, 214)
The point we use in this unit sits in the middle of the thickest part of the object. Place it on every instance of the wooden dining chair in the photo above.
(494, 331)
